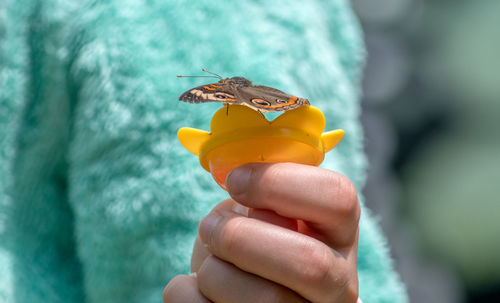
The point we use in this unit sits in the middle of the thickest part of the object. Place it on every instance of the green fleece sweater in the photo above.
(98, 200)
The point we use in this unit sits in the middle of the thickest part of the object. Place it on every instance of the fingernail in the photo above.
(193, 274)
(240, 209)
(237, 180)
(207, 226)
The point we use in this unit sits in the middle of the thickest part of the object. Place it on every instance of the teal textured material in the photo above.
(98, 200)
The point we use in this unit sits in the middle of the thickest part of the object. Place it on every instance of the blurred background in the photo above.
(432, 121)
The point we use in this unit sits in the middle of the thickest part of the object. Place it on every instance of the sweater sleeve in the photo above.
(37, 249)
(124, 197)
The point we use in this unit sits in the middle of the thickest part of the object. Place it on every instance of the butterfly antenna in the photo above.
(181, 76)
(214, 75)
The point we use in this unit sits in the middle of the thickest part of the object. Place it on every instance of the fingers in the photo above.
(200, 251)
(222, 282)
(183, 289)
(296, 261)
(325, 200)
(318, 262)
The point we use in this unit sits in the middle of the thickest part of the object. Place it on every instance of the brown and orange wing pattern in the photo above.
(215, 92)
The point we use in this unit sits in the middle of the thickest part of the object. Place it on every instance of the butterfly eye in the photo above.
(281, 101)
(261, 102)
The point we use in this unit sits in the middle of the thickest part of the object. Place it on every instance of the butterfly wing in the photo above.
(215, 92)
(268, 99)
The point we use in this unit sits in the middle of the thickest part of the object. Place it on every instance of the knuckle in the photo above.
(318, 266)
(345, 289)
(351, 293)
(331, 280)
(348, 206)
(350, 192)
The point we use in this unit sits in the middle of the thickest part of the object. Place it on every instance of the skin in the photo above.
(289, 233)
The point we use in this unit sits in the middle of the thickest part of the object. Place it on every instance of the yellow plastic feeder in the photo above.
(241, 135)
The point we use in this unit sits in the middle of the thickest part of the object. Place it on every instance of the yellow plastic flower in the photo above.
(242, 135)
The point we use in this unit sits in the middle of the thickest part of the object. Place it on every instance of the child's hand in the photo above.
(298, 243)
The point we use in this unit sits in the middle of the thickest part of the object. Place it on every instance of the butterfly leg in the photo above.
(227, 109)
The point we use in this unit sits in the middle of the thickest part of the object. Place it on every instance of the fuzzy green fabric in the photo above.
(98, 200)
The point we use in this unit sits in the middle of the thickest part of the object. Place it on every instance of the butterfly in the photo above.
(239, 90)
